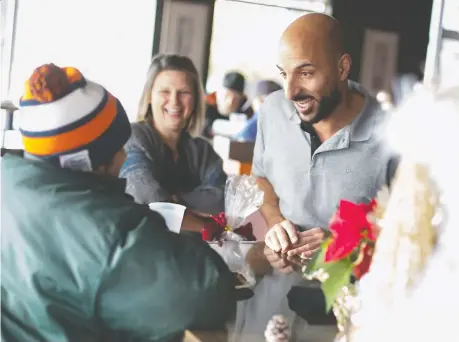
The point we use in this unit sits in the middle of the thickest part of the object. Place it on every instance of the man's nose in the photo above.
(290, 88)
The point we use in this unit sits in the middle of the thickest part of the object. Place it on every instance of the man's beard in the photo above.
(326, 106)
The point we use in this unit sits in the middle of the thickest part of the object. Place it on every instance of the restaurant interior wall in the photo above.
(410, 19)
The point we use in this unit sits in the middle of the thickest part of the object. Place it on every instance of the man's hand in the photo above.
(281, 236)
(278, 261)
(283, 262)
(308, 242)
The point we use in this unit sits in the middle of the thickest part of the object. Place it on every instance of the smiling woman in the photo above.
(166, 162)
(172, 103)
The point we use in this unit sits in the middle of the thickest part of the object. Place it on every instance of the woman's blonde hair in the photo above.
(164, 62)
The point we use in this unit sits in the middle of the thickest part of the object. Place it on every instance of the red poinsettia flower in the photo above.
(363, 262)
(348, 227)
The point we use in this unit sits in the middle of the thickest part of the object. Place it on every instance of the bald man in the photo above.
(318, 142)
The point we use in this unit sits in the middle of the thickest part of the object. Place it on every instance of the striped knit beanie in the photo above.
(71, 121)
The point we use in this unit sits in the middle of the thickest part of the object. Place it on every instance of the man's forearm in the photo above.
(270, 208)
(271, 214)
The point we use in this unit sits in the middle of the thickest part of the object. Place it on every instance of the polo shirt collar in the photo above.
(361, 129)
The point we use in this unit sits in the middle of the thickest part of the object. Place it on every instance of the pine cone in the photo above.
(277, 330)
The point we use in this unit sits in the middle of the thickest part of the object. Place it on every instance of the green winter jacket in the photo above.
(82, 262)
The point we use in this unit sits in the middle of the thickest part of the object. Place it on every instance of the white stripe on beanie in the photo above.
(67, 110)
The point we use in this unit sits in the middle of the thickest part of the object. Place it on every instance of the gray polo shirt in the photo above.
(353, 164)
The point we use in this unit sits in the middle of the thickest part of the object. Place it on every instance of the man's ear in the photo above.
(344, 65)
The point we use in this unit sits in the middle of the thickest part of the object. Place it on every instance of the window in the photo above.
(110, 41)
(245, 36)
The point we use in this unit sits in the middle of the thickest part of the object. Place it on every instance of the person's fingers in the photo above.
(297, 263)
(276, 260)
(280, 264)
(272, 241)
(312, 233)
(306, 248)
(307, 244)
(313, 245)
(312, 237)
(299, 250)
(284, 265)
(272, 258)
(267, 251)
(319, 233)
(268, 241)
(270, 255)
(291, 230)
(282, 237)
(303, 244)
(295, 259)
(303, 239)
(309, 254)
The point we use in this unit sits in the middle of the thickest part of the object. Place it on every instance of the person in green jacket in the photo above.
(81, 261)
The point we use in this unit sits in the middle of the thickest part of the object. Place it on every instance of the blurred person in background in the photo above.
(166, 161)
(81, 261)
(229, 99)
(262, 90)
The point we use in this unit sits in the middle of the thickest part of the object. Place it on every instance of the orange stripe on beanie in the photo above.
(80, 136)
(63, 113)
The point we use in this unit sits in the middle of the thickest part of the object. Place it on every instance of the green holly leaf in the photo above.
(339, 275)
